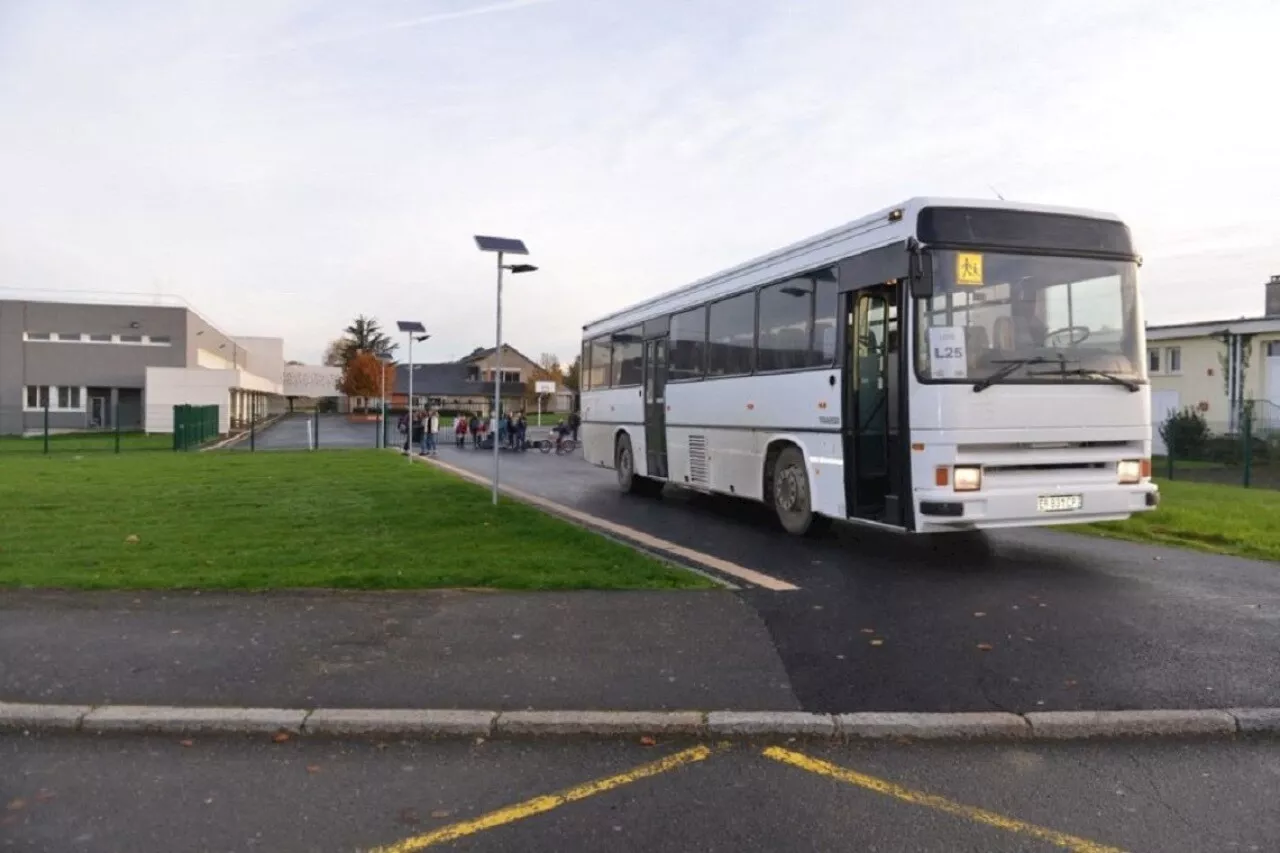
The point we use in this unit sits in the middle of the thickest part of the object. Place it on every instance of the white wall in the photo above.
(266, 358)
(173, 386)
(311, 380)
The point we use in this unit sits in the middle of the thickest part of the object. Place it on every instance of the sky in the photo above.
(286, 165)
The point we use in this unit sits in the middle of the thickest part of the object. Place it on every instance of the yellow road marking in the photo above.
(942, 804)
(723, 566)
(538, 805)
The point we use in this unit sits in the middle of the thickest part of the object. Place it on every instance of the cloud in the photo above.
(340, 163)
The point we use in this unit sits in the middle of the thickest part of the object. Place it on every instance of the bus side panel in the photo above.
(604, 414)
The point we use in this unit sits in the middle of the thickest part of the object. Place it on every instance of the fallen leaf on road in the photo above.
(44, 795)
(440, 813)
(187, 742)
(280, 737)
(8, 820)
(313, 768)
(14, 805)
(979, 613)
(877, 642)
(647, 740)
(407, 817)
(868, 630)
(984, 647)
(132, 539)
(1070, 682)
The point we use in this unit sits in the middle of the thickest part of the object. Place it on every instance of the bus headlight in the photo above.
(968, 479)
(1129, 471)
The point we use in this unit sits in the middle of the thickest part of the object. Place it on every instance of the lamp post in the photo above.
(502, 246)
(415, 331)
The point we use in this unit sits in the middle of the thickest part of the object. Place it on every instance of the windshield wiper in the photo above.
(1084, 371)
(1010, 365)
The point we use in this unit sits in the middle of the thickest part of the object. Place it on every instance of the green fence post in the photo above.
(46, 422)
(315, 428)
(1247, 432)
(1168, 459)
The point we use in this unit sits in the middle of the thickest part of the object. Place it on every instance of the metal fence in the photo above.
(1243, 453)
(194, 426)
(105, 429)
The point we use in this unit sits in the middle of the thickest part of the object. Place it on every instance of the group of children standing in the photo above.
(420, 430)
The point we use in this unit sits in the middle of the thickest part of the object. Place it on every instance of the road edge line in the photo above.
(515, 724)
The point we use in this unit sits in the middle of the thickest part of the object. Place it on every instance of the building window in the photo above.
(131, 339)
(159, 340)
(826, 301)
(1153, 361)
(687, 346)
(628, 357)
(100, 339)
(1273, 348)
(58, 398)
(1173, 359)
(39, 336)
(70, 337)
(731, 328)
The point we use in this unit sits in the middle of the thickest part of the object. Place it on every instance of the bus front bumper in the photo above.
(943, 510)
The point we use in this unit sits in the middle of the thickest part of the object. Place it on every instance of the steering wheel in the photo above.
(1077, 335)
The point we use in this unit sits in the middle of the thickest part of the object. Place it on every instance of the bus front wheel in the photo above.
(624, 463)
(791, 497)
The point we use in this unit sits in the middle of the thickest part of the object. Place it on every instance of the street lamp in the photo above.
(415, 331)
(502, 246)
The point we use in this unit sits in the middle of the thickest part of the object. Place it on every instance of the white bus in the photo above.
(942, 365)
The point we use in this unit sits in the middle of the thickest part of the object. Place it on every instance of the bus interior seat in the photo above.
(1002, 333)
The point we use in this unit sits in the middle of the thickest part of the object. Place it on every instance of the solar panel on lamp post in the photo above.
(502, 246)
(414, 330)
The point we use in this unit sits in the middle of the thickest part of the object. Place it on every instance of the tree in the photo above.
(365, 375)
(550, 362)
(334, 352)
(541, 374)
(293, 362)
(573, 374)
(365, 335)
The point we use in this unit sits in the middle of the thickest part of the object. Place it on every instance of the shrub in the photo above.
(1185, 433)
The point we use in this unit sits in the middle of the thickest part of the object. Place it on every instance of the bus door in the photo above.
(655, 406)
(875, 485)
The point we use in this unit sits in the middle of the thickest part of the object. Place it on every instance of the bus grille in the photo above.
(698, 459)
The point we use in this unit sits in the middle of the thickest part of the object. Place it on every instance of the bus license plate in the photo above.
(1059, 503)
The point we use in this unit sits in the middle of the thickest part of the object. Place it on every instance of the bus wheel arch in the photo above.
(624, 464)
(788, 489)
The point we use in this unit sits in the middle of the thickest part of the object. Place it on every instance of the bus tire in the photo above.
(791, 498)
(624, 463)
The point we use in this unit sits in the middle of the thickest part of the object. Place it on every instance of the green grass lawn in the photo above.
(353, 519)
(1220, 519)
(81, 442)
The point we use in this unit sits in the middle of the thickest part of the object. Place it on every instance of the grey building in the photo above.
(89, 365)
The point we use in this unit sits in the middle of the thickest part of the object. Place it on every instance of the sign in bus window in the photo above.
(948, 357)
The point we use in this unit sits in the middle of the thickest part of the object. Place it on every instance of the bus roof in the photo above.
(811, 253)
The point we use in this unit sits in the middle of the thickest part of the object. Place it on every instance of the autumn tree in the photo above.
(573, 374)
(365, 375)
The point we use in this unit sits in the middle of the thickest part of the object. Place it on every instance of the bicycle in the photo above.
(563, 447)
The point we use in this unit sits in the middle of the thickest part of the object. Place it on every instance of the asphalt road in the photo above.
(157, 794)
(1073, 622)
(298, 432)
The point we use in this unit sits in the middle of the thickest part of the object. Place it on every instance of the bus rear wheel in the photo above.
(792, 500)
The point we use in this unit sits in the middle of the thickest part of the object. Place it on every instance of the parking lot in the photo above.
(1029, 620)
(132, 793)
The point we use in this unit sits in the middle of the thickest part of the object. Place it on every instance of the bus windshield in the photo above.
(1006, 318)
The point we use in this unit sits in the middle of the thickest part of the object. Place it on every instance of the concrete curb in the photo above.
(451, 723)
